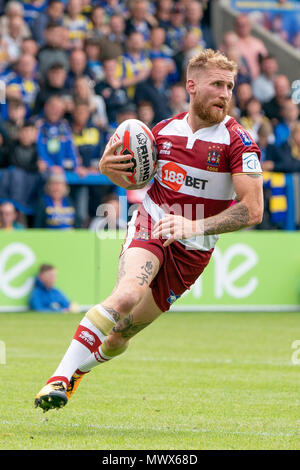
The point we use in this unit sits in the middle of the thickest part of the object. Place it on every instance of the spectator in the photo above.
(52, 52)
(140, 20)
(176, 30)
(13, 9)
(55, 210)
(112, 90)
(189, 49)
(83, 91)
(145, 113)
(230, 47)
(8, 217)
(99, 26)
(14, 37)
(158, 47)
(253, 118)
(76, 23)
(156, 90)
(243, 95)
(53, 14)
(136, 65)
(163, 13)
(289, 117)
(92, 49)
(25, 82)
(54, 84)
(178, 99)
(78, 66)
(54, 141)
(250, 47)
(193, 17)
(47, 298)
(108, 215)
(282, 89)
(24, 181)
(16, 118)
(31, 47)
(263, 85)
(117, 30)
(285, 158)
(265, 139)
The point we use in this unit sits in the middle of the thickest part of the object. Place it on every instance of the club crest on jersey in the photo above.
(213, 160)
(243, 135)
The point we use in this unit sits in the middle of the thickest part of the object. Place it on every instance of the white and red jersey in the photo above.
(195, 170)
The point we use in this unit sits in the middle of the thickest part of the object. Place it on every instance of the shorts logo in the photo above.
(173, 175)
(243, 135)
(213, 160)
(87, 337)
(173, 297)
(251, 163)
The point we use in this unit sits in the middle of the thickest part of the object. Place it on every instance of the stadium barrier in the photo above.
(249, 271)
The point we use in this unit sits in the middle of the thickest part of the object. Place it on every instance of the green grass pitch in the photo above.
(189, 381)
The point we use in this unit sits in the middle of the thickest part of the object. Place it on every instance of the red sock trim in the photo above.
(58, 378)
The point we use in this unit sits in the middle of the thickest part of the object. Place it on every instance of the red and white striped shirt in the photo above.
(194, 176)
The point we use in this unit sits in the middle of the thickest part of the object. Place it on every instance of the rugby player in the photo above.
(206, 160)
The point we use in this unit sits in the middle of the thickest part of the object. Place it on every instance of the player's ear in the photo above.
(191, 86)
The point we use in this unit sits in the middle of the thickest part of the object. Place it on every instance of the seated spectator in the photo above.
(25, 82)
(156, 90)
(54, 141)
(112, 90)
(253, 117)
(108, 215)
(230, 47)
(243, 93)
(55, 210)
(157, 47)
(193, 19)
(98, 26)
(92, 50)
(117, 30)
(176, 30)
(282, 89)
(145, 113)
(47, 298)
(14, 37)
(286, 158)
(78, 67)
(76, 23)
(31, 47)
(178, 99)
(250, 47)
(53, 14)
(52, 52)
(33, 9)
(8, 217)
(265, 139)
(140, 20)
(136, 66)
(22, 181)
(13, 9)
(54, 84)
(163, 13)
(263, 86)
(16, 118)
(289, 117)
(189, 49)
(83, 91)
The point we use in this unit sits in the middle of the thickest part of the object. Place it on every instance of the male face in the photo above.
(7, 214)
(55, 10)
(210, 91)
(48, 278)
(57, 77)
(54, 110)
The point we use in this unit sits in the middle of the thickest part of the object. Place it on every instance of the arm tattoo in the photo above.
(116, 316)
(233, 218)
(146, 271)
(128, 328)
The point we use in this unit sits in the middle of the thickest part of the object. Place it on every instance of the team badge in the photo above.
(172, 297)
(243, 135)
(213, 160)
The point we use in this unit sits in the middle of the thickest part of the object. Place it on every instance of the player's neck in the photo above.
(197, 123)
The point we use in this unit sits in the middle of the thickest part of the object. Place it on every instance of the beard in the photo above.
(210, 113)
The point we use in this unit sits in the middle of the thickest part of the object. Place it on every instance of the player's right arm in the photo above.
(114, 166)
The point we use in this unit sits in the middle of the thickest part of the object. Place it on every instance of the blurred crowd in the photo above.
(71, 71)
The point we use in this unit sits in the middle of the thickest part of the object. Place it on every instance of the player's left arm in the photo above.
(246, 212)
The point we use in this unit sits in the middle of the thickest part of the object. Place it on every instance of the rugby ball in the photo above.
(137, 141)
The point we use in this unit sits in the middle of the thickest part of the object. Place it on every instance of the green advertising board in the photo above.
(249, 270)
